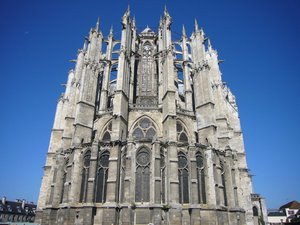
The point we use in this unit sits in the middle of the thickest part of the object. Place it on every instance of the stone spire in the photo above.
(183, 31)
(111, 31)
(196, 25)
(97, 24)
(209, 45)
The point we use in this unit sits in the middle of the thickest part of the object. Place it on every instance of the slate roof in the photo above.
(277, 213)
(15, 207)
(291, 205)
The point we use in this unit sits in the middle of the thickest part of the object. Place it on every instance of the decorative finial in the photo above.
(209, 44)
(196, 25)
(183, 31)
(165, 10)
(111, 31)
(97, 24)
(128, 9)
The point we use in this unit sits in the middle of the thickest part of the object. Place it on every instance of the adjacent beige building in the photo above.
(146, 133)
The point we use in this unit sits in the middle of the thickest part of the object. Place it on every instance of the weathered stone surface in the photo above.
(151, 136)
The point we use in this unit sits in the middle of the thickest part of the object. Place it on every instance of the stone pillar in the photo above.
(210, 178)
(186, 72)
(92, 173)
(76, 176)
(155, 168)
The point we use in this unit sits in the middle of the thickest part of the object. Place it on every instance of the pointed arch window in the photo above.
(183, 177)
(85, 176)
(200, 178)
(144, 129)
(101, 177)
(142, 179)
(107, 132)
(163, 175)
(181, 132)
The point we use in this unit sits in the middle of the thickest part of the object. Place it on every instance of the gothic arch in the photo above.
(146, 131)
(200, 165)
(183, 134)
(106, 132)
(101, 176)
(183, 177)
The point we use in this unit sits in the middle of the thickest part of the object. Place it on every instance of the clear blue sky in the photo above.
(259, 41)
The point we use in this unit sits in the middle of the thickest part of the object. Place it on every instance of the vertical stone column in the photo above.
(113, 173)
(92, 172)
(186, 72)
(132, 63)
(172, 181)
(59, 181)
(155, 196)
(76, 176)
(228, 179)
(193, 176)
(210, 177)
(106, 74)
(85, 109)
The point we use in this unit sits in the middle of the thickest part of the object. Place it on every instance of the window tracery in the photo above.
(101, 177)
(107, 132)
(183, 177)
(85, 176)
(181, 132)
(200, 178)
(142, 180)
(144, 129)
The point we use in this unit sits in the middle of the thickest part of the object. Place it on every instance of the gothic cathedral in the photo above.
(147, 133)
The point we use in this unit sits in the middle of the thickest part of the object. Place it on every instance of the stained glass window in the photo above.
(181, 132)
(142, 180)
(85, 176)
(144, 129)
(200, 178)
(183, 177)
(101, 177)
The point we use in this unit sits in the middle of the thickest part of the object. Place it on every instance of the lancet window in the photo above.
(181, 132)
(142, 180)
(101, 177)
(200, 178)
(144, 129)
(183, 177)
(107, 132)
(85, 176)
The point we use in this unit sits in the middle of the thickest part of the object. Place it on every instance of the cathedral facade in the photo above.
(147, 133)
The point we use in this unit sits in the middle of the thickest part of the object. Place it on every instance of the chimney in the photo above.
(23, 203)
(3, 200)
